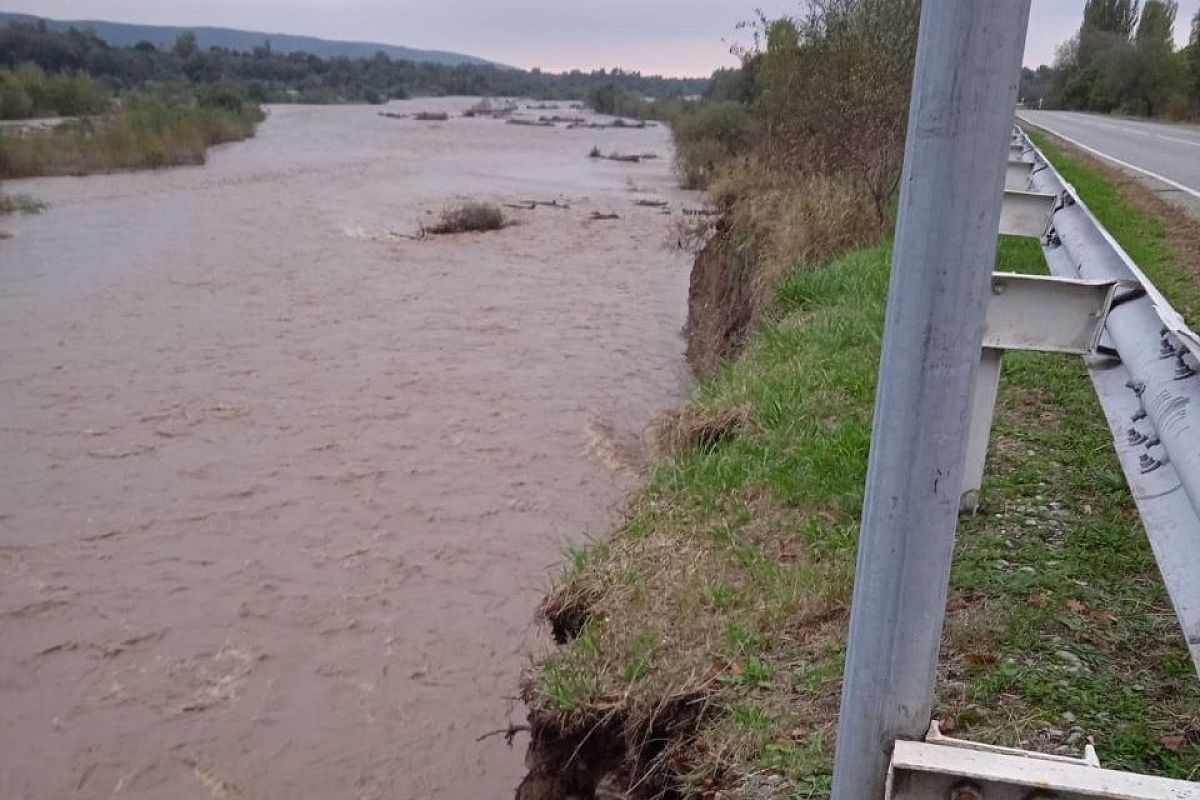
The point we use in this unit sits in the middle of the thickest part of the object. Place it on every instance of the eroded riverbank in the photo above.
(279, 489)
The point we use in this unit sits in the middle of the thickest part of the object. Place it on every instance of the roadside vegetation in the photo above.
(699, 650)
(1123, 60)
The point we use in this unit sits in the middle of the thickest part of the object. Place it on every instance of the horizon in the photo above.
(672, 40)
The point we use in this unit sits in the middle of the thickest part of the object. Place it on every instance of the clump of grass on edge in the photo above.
(467, 217)
(725, 592)
(21, 204)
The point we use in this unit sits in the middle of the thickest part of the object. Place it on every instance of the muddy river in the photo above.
(279, 487)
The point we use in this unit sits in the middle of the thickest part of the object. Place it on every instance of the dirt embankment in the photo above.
(722, 302)
(613, 751)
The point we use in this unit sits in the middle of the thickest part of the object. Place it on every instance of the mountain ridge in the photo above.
(127, 34)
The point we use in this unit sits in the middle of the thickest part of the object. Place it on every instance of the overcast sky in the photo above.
(672, 37)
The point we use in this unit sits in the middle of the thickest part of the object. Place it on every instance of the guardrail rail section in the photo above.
(1144, 369)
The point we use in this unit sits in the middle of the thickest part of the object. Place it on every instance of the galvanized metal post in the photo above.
(964, 96)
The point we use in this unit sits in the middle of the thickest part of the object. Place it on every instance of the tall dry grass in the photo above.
(141, 135)
(795, 218)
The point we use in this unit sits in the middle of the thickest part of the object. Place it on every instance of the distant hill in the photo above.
(120, 34)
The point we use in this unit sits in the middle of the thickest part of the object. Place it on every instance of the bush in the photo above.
(470, 217)
(611, 99)
(145, 134)
(706, 136)
(20, 204)
(29, 92)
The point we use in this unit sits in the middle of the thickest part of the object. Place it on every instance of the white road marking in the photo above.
(1177, 139)
(1161, 178)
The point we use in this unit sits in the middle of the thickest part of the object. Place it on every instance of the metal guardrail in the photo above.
(1146, 376)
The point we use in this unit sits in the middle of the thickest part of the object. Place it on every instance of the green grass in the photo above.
(1058, 628)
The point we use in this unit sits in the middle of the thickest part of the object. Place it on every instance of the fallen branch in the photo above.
(547, 203)
(510, 733)
(412, 237)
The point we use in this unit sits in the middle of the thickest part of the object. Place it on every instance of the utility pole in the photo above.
(964, 96)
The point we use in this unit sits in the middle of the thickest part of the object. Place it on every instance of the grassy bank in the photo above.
(142, 135)
(702, 645)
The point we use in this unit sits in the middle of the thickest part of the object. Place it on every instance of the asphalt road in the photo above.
(1167, 157)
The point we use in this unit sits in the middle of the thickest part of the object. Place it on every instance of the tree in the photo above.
(186, 46)
(1157, 26)
(1153, 78)
(1193, 61)
(1110, 16)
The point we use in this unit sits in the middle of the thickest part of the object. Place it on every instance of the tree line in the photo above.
(263, 75)
(1122, 60)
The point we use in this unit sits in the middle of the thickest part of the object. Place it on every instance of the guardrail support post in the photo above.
(964, 95)
(983, 407)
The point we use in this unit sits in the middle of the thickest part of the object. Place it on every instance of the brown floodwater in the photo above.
(279, 488)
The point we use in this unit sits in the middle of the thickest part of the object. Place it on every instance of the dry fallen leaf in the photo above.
(1172, 743)
(1076, 606)
(980, 658)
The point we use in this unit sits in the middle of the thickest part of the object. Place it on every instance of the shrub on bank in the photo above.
(706, 136)
(470, 217)
(29, 92)
(143, 134)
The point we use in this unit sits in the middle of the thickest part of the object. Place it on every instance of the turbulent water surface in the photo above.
(279, 487)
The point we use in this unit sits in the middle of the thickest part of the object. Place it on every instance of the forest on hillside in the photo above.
(44, 72)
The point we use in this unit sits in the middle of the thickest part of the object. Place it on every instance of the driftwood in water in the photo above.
(548, 203)
(596, 215)
(651, 203)
(620, 123)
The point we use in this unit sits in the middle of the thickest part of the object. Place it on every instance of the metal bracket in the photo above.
(941, 768)
(1025, 213)
(1028, 312)
(1017, 175)
(1048, 314)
